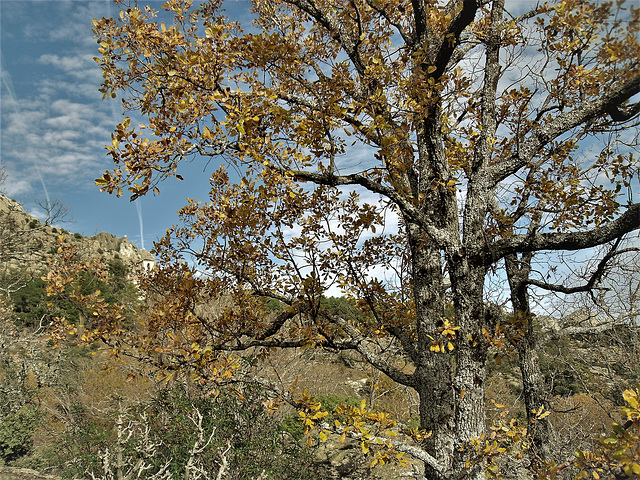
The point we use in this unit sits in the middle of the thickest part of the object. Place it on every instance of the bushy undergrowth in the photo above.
(30, 300)
(181, 431)
(16, 433)
(292, 425)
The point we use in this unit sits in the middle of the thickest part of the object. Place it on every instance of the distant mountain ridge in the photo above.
(28, 242)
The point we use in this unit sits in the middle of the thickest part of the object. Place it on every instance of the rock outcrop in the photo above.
(27, 242)
(11, 473)
(336, 460)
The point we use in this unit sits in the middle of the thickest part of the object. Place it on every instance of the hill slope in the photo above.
(25, 241)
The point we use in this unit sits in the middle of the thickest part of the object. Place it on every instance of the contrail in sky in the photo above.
(8, 84)
(139, 209)
(46, 192)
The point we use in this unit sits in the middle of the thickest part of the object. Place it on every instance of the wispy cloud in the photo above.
(54, 126)
(80, 67)
(68, 20)
(16, 188)
(42, 144)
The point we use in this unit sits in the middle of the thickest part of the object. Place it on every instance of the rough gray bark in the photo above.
(433, 375)
(534, 388)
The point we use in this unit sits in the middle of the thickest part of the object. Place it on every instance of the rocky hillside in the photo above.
(25, 241)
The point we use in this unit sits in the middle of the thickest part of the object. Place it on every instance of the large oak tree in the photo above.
(397, 150)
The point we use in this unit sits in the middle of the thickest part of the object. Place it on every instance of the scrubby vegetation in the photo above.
(75, 410)
(63, 412)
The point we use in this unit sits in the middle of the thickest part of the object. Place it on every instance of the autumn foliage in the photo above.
(396, 152)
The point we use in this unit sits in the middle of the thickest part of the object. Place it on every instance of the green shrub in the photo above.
(345, 308)
(273, 305)
(76, 451)
(293, 426)
(257, 444)
(566, 384)
(119, 274)
(292, 423)
(29, 303)
(117, 289)
(16, 433)
(331, 400)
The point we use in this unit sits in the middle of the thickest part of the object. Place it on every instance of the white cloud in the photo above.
(69, 64)
(59, 21)
(15, 187)
(65, 165)
(57, 131)
(86, 89)
(80, 67)
(37, 212)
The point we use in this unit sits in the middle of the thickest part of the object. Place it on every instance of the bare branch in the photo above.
(533, 242)
(594, 278)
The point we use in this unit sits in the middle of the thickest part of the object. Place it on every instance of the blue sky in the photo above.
(55, 124)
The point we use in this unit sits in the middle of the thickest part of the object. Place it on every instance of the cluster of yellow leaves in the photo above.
(374, 430)
(617, 455)
(619, 451)
(603, 47)
(175, 334)
(447, 335)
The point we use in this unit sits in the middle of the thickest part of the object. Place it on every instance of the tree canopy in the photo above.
(397, 151)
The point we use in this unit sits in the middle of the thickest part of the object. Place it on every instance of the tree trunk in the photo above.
(536, 398)
(433, 374)
(467, 284)
(535, 391)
